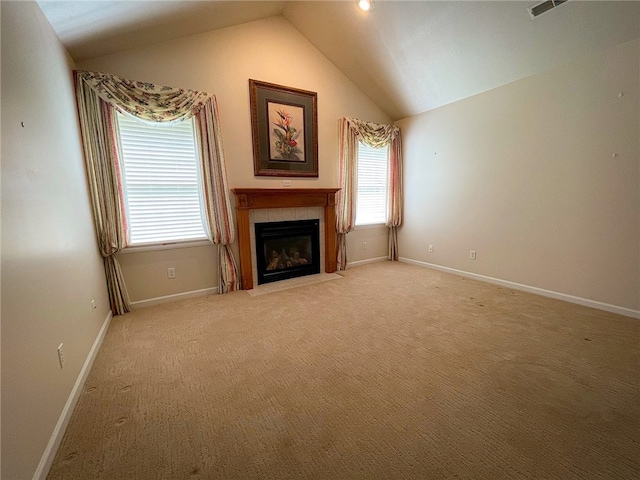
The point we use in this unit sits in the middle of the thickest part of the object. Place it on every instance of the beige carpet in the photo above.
(392, 372)
(292, 283)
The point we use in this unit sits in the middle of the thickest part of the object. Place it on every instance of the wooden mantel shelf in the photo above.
(253, 198)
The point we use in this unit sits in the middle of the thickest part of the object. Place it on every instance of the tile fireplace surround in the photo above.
(292, 203)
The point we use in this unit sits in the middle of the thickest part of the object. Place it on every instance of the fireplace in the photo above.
(287, 249)
(258, 205)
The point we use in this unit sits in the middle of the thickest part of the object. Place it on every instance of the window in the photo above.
(371, 206)
(160, 178)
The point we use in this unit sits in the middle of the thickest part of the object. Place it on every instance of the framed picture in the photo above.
(284, 124)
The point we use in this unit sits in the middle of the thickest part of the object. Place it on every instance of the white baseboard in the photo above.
(527, 288)
(58, 432)
(368, 260)
(172, 298)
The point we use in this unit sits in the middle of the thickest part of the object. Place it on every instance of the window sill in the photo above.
(165, 246)
(370, 225)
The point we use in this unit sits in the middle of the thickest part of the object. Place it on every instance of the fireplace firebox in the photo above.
(287, 249)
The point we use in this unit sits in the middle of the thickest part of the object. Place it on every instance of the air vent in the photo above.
(543, 7)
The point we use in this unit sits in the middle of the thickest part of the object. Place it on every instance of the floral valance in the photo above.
(145, 100)
(373, 134)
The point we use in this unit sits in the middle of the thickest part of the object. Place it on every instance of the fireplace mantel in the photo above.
(253, 198)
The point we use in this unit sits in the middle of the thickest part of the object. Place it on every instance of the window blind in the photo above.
(371, 204)
(161, 181)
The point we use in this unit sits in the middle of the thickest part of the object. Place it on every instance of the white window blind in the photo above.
(371, 205)
(161, 181)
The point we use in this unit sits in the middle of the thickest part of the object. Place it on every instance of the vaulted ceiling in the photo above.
(407, 56)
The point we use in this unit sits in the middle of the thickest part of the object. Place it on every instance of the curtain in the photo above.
(375, 135)
(158, 104)
(145, 100)
(395, 195)
(99, 138)
(346, 196)
(216, 196)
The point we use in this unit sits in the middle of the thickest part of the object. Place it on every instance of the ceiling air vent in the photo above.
(542, 7)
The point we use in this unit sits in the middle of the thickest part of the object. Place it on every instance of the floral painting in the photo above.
(284, 128)
(287, 124)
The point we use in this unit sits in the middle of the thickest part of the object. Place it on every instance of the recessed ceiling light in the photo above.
(365, 5)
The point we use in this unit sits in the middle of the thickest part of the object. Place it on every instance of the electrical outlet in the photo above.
(430, 248)
(472, 254)
(364, 245)
(93, 304)
(171, 272)
(61, 355)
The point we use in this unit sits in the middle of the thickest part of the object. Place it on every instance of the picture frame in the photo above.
(284, 125)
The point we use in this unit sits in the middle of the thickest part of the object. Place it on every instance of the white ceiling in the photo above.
(407, 56)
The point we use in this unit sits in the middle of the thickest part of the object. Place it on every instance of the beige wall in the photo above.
(51, 269)
(367, 243)
(222, 62)
(525, 175)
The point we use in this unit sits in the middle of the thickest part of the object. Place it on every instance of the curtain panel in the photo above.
(221, 229)
(152, 103)
(395, 195)
(98, 125)
(346, 196)
(375, 135)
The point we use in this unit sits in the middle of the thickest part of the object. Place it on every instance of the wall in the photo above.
(222, 62)
(367, 243)
(51, 269)
(525, 175)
